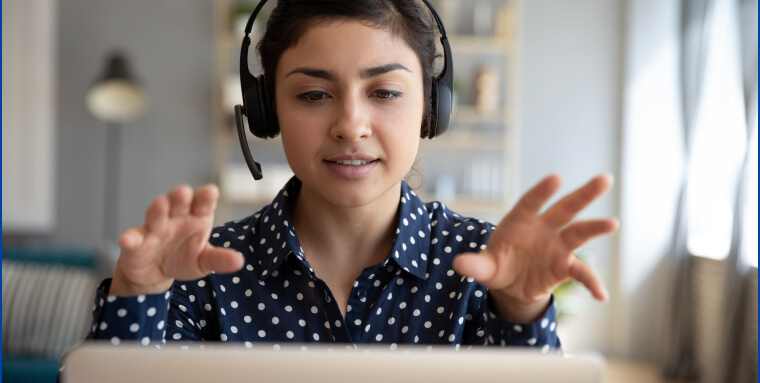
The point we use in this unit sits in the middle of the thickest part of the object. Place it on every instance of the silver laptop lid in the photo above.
(219, 362)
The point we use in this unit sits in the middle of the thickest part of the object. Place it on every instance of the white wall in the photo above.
(29, 105)
(571, 70)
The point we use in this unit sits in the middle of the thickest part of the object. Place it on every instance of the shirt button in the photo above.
(361, 293)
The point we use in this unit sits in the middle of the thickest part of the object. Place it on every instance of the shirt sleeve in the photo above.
(495, 331)
(184, 320)
(142, 318)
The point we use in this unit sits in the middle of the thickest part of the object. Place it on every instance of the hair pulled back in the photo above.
(406, 19)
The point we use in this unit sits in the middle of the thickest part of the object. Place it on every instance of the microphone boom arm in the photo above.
(253, 166)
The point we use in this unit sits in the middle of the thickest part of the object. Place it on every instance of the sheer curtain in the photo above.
(741, 334)
(712, 245)
(695, 27)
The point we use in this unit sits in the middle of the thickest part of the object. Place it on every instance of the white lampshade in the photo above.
(116, 96)
(116, 100)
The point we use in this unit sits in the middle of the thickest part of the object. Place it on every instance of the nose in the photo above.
(352, 121)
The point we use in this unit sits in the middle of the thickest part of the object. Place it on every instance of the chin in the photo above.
(356, 194)
(356, 197)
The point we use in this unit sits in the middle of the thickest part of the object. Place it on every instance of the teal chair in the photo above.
(47, 300)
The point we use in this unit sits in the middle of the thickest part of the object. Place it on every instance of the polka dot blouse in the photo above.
(414, 296)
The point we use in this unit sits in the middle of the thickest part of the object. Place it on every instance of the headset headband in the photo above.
(445, 74)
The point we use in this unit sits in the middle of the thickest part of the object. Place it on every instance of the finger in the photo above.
(585, 274)
(180, 199)
(480, 266)
(563, 211)
(533, 200)
(220, 260)
(577, 234)
(204, 201)
(131, 239)
(157, 213)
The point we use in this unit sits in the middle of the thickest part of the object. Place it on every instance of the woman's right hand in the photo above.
(172, 244)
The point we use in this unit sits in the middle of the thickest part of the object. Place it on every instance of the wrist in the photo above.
(516, 310)
(121, 286)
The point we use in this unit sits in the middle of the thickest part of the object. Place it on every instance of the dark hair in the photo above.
(406, 19)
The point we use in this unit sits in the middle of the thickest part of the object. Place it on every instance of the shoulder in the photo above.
(443, 218)
(232, 232)
(452, 233)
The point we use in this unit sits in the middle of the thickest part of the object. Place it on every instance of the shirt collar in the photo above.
(412, 243)
(275, 233)
(278, 240)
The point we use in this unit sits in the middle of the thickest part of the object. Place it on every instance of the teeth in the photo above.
(352, 162)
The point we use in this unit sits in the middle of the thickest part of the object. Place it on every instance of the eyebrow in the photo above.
(382, 69)
(364, 74)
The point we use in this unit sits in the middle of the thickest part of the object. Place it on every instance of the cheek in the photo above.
(281, 110)
(407, 120)
(297, 153)
(296, 126)
(404, 130)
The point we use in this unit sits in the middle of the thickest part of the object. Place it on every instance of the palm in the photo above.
(529, 254)
(172, 243)
(529, 264)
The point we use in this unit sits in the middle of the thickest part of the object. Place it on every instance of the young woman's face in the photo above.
(350, 103)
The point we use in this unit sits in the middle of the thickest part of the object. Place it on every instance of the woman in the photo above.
(347, 252)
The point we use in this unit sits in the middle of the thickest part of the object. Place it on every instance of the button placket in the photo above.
(338, 333)
(357, 299)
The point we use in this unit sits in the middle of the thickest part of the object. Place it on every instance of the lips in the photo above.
(352, 165)
(351, 162)
(352, 159)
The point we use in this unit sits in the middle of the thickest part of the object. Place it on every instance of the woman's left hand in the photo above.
(531, 253)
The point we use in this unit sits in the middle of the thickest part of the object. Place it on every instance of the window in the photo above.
(750, 216)
(719, 142)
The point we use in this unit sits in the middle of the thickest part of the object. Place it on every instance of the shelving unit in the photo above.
(472, 168)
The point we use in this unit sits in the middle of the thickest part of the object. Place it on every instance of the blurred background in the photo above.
(108, 103)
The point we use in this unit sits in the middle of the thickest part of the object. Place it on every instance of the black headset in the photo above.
(256, 102)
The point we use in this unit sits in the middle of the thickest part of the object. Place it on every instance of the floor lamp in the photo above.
(115, 98)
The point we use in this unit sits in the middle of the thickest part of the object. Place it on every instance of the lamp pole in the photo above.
(116, 97)
(111, 186)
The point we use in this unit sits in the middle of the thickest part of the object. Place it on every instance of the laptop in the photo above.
(220, 362)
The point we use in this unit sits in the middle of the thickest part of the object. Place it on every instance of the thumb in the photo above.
(220, 260)
(480, 266)
(131, 239)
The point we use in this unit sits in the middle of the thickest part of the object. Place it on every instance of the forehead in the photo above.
(345, 45)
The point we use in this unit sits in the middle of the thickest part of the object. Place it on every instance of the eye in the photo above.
(386, 94)
(313, 96)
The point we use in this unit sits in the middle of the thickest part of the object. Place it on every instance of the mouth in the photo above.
(353, 167)
(352, 162)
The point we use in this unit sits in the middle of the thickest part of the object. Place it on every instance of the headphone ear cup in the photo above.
(257, 109)
(269, 119)
(442, 104)
(433, 114)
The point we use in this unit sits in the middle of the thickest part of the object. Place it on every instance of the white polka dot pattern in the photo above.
(414, 296)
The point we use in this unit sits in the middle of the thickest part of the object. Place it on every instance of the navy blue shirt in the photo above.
(414, 296)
